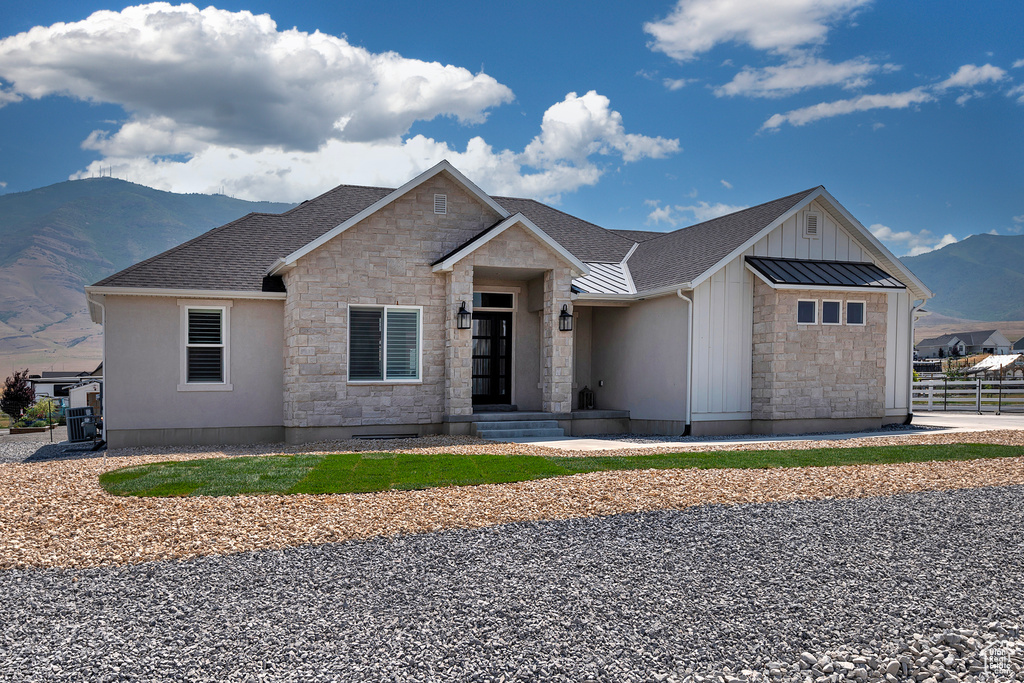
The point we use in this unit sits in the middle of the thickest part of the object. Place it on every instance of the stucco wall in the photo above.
(639, 352)
(142, 367)
(806, 372)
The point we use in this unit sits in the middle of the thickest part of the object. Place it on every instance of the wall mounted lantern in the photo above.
(565, 319)
(464, 319)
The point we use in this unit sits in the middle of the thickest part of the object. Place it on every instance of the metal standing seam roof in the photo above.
(782, 271)
(605, 278)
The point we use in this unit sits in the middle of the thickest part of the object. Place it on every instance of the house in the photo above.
(964, 344)
(434, 306)
(1018, 346)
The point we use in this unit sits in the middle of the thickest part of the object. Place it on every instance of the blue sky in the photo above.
(644, 115)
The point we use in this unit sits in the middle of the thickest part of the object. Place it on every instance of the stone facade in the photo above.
(386, 260)
(815, 372)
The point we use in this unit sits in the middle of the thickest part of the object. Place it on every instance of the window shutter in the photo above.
(364, 362)
(403, 349)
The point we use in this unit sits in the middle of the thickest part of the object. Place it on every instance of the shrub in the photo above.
(18, 394)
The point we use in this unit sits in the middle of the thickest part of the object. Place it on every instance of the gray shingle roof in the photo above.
(236, 256)
(782, 271)
(683, 255)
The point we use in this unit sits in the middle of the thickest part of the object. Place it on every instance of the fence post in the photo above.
(999, 405)
(979, 396)
(945, 392)
(931, 394)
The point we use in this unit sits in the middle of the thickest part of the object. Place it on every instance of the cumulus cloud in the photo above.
(233, 78)
(1017, 92)
(556, 161)
(798, 74)
(676, 215)
(696, 26)
(967, 76)
(910, 243)
(971, 75)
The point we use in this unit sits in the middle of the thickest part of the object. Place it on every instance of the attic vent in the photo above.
(440, 203)
(811, 224)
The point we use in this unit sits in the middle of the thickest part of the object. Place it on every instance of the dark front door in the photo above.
(492, 358)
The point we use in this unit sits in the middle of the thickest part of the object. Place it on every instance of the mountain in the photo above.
(979, 278)
(57, 239)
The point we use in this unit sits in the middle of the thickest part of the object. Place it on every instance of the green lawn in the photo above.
(367, 472)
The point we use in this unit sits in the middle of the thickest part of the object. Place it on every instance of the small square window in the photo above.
(854, 312)
(807, 312)
(830, 312)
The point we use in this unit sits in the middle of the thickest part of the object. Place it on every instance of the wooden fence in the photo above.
(975, 395)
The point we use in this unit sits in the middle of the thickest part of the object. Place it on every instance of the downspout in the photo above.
(103, 363)
(910, 384)
(689, 357)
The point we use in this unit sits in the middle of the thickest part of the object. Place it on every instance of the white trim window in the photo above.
(807, 311)
(385, 343)
(831, 312)
(205, 347)
(855, 313)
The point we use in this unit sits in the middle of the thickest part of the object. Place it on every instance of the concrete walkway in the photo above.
(937, 422)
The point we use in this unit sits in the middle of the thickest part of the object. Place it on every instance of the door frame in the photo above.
(514, 310)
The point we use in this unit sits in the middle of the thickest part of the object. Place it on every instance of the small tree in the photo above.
(18, 395)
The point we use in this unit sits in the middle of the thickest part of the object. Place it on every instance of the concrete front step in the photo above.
(503, 434)
(508, 429)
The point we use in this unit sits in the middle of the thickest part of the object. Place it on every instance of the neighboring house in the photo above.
(423, 309)
(964, 344)
(57, 383)
(1018, 346)
(943, 346)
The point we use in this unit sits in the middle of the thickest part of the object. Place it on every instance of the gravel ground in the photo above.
(668, 595)
(54, 514)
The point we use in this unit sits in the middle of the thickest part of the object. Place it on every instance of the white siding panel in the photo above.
(892, 329)
(842, 246)
(719, 304)
(828, 241)
(904, 351)
(775, 242)
(701, 344)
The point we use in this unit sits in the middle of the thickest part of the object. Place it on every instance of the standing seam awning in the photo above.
(782, 271)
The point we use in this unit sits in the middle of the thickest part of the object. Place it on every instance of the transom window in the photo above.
(831, 312)
(807, 312)
(854, 312)
(492, 300)
(384, 343)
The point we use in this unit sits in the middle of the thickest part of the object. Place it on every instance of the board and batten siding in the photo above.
(722, 320)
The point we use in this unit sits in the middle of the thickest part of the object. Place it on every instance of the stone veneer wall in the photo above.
(383, 260)
(386, 260)
(806, 372)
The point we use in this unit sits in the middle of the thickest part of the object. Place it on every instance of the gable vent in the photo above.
(811, 223)
(440, 203)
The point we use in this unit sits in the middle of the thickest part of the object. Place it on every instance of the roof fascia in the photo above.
(761, 233)
(625, 268)
(518, 218)
(920, 290)
(639, 296)
(187, 293)
(443, 165)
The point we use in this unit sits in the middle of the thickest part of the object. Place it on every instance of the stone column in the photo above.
(458, 363)
(557, 345)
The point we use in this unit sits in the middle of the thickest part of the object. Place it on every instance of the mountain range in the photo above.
(57, 239)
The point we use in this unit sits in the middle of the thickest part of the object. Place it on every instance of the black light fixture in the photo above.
(464, 318)
(565, 319)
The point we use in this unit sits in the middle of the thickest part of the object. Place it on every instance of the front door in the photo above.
(492, 358)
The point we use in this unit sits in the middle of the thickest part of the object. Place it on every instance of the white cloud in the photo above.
(1017, 92)
(698, 213)
(798, 74)
(824, 110)
(3, 183)
(726, 184)
(678, 83)
(967, 76)
(8, 97)
(554, 162)
(911, 243)
(971, 75)
(232, 78)
(1018, 64)
(1019, 219)
(696, 26)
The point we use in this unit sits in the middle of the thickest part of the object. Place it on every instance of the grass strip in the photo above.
(369, 472)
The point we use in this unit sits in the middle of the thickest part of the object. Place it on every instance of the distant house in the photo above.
(964, 344)
(1018, 345)
(435, 307)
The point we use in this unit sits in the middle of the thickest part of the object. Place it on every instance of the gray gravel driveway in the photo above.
(622, 598)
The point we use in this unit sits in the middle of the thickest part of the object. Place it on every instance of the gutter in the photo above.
(689, 358)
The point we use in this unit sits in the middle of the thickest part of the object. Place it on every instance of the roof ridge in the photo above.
(564, 213)
(323, 194)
